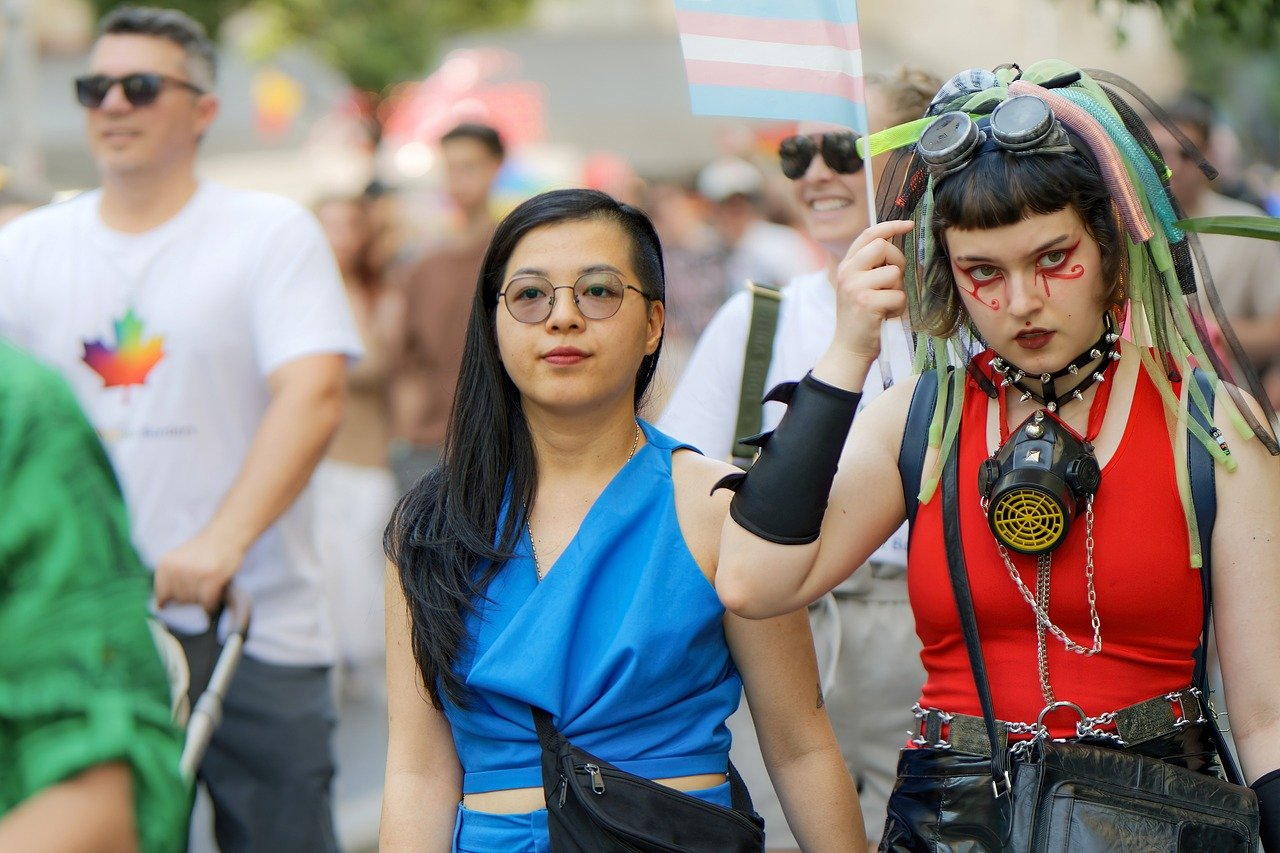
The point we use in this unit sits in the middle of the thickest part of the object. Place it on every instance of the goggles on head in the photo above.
(1037, 483)
(1023, 124)
(839, 151)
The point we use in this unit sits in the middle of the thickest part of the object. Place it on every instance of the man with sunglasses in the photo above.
(864, 633)
(205, 333)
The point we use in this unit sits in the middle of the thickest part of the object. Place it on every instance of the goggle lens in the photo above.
(1023, 123)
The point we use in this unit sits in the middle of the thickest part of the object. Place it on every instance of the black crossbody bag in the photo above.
(1082, 797)
(593, 807)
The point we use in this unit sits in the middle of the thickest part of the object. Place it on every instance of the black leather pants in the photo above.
(943, 799)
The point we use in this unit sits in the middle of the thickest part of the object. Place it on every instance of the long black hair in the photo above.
(444, 534)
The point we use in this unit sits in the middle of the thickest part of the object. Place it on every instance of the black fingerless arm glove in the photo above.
(784, 495)
(1268, 790)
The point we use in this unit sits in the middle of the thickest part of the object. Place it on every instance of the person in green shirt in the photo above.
(89, 757)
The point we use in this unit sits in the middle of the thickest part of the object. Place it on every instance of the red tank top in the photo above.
(1148, 595)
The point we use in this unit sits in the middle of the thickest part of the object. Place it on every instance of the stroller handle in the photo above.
(236, 600)
(207, 713)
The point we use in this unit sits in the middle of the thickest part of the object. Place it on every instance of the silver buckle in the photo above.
(767, 292)
(923, 714)
(1217, 715)
(995, 785)
(1053, 706)
(1177, 696)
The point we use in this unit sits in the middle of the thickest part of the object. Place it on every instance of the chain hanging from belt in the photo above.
(1132, 721)
(1039, 603)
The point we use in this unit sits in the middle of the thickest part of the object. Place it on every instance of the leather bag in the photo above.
(1081, 797)
(593, 807)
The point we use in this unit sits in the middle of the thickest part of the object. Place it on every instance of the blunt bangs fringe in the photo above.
(999, 189)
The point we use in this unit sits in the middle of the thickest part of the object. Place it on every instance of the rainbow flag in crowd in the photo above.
(777, 59)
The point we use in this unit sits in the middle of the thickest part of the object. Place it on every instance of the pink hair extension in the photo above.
(1104, 151)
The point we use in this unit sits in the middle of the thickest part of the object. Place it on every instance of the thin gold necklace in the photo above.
(537, 564)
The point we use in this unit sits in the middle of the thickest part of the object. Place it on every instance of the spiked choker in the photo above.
(1104, 350)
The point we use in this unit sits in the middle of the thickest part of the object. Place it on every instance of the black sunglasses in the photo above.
(139, 89)
(839, 151)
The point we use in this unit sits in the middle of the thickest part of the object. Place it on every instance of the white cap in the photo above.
(729, 176)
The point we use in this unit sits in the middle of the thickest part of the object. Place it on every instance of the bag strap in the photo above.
(548, 735)
(1204, 499)
(739, 795)
(915, 442)
(954, 546)
(765, 301)
(1205, 502)
(551, 740)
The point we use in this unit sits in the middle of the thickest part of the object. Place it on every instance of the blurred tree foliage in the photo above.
(1248, 24)
(211, 13)
(375, 43)
(1231, 49)
(1240, 72)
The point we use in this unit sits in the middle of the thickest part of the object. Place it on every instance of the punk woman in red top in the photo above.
(1032, 240)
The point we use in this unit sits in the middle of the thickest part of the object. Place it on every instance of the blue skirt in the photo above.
(481, 832)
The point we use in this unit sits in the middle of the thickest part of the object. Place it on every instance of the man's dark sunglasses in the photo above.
(139, 89)
(839, 151)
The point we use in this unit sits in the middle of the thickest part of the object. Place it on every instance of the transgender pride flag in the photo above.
(778, 59)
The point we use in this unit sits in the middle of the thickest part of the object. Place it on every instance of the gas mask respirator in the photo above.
(1039, 480)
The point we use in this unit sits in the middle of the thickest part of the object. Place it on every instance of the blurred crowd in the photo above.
(409, 286)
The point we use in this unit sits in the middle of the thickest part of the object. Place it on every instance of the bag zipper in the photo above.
(598, 773)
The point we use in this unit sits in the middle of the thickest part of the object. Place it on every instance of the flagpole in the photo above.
(871, 191)
(886, 370)
(866, 168)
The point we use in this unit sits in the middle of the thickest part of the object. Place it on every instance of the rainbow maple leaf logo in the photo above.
(130, 360)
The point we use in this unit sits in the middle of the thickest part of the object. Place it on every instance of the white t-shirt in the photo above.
(703, 410)
(168, 338)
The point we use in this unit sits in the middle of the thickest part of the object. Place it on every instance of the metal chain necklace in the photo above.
(1106, 351)
(1039, 603)
(533, 549)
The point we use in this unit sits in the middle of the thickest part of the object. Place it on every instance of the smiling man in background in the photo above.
(205, 332)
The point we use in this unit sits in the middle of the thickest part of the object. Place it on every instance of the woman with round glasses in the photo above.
(562, 557)
(1064, 461)
(868, 693)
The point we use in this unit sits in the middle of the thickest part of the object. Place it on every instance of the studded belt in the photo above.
(1128, 726)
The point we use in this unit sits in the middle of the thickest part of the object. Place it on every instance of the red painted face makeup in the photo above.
(982, 276)
(1041, 281)
(1054, 264)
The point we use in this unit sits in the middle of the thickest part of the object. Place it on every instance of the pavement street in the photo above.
(360, 748)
